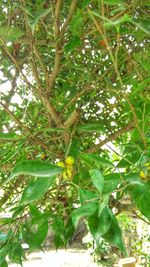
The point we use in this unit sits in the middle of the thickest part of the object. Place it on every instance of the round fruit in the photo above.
(142, 175)
(43, 156)
(69, 160)
(60, 164)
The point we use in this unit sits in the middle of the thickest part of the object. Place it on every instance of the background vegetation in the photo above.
(74, 82)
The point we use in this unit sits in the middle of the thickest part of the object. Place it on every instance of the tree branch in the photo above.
(87, 88)
(57, 17)
(59, 36)
(53, 113)
(54, 71)
(58, 50)
(10, 191)
(15, 119)
(112, 137)
(139, 217)
(69, 17)
(72, 118)
(43, 67)
(15, 63)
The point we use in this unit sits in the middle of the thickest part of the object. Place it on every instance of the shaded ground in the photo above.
(62, 258)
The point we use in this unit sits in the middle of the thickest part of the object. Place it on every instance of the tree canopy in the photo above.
(74, 112)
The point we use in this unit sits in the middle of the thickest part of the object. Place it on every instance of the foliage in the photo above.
(137, 238)
(74, 82)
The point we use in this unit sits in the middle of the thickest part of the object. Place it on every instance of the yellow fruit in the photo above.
(65, 176)
(142, 175)
(37, 28)
(43, 156)
(69, 167)
(69, 160)
(60, 164)
(69, 173)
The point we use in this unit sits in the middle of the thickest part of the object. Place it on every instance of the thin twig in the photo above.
(141, 217)
(15, 63)
(15, 119)
(115, 63)
(112, 137)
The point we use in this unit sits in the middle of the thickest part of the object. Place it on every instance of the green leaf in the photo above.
(142, 25)
(10, 136)
(86, 159)
(36, 189)
(35, 168)
(85, 210)
(83, 3)
(41, 13)
(76, 23)
(134, 179)
(123, 19)
(69, 230)
(74, 148)
(3, 263)
(97, 179)
(28, 231)
(39, 236)
(123, 163)
(59, 229)
(114, 2)
(99, 225)
(14, 152)
(3, 237)
(58, 241)
(34, 211)
(143, 203)
(111, 184)
(136, 190)
(114, 236)
(91, 127)
(117, 10)
(15, 253)
(109, 23)
(58, 225)
(10, 34)
(4, 249)
(73, 43)
(86, 195)
(26, 10)
(100, 161)
(146, 65)
(103, 203)
(140, 193)
(37, 16)
(17, 211)
(141, 86)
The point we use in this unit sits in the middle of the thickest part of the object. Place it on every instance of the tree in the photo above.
(76, 90)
